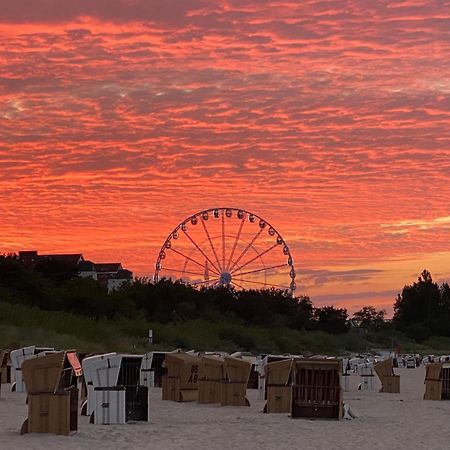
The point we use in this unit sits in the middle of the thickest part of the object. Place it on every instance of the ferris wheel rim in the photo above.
(199, 214)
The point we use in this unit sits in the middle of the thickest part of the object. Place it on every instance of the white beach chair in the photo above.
(20, 355)
(99, 371)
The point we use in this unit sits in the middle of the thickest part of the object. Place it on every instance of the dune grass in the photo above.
(24, 325)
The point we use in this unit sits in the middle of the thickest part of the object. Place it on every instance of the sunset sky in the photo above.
(330, 119)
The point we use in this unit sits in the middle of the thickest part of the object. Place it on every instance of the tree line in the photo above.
(421, 310)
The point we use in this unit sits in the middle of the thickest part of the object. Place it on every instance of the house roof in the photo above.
(32, 258)
(123, 274)
(28, 253)
(107, 267)
(86, 266)
(70, 259)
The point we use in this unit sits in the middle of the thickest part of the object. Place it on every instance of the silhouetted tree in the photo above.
(423, 309)
(332, 320)
(23, 285)
(369, 317)
(87, 297)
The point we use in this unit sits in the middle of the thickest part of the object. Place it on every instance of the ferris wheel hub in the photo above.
(225, 278)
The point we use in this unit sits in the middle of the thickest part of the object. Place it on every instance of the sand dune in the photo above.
(397, 421)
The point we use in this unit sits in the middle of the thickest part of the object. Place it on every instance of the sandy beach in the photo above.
(400, 421)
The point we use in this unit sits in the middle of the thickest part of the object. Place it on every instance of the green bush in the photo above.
(26, 325)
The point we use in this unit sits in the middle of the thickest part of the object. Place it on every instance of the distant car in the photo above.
(411, 363)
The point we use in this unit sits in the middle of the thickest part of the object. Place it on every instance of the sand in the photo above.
(397, 421)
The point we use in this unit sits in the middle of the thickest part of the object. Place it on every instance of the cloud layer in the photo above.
(331, 119)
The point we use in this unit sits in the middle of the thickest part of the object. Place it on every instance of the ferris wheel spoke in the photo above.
(264, 269)
(191, 259)
(263, 284)
(201, 251)
(237, 285)
(214, 280)
(246, 249)
(255, 258)
(170, 269)
(211, 244)
(223, 241)
(235, 243)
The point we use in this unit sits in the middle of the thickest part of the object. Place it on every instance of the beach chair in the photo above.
(20, 355)
(51, 382)
(437, 381)
(317, 391)
(115, 395)
(262, 362)
(367, 376)
(180, 383)
(136, 394)
(105, 402)
(279, 386)
(234, 385)
(89, 364)
(390, 383)
(17, 358)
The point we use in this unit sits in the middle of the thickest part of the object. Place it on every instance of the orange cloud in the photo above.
(330, 119)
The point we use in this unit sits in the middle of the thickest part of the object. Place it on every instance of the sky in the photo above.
(329, 119)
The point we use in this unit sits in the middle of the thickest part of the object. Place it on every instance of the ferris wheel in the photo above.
(226, 247)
